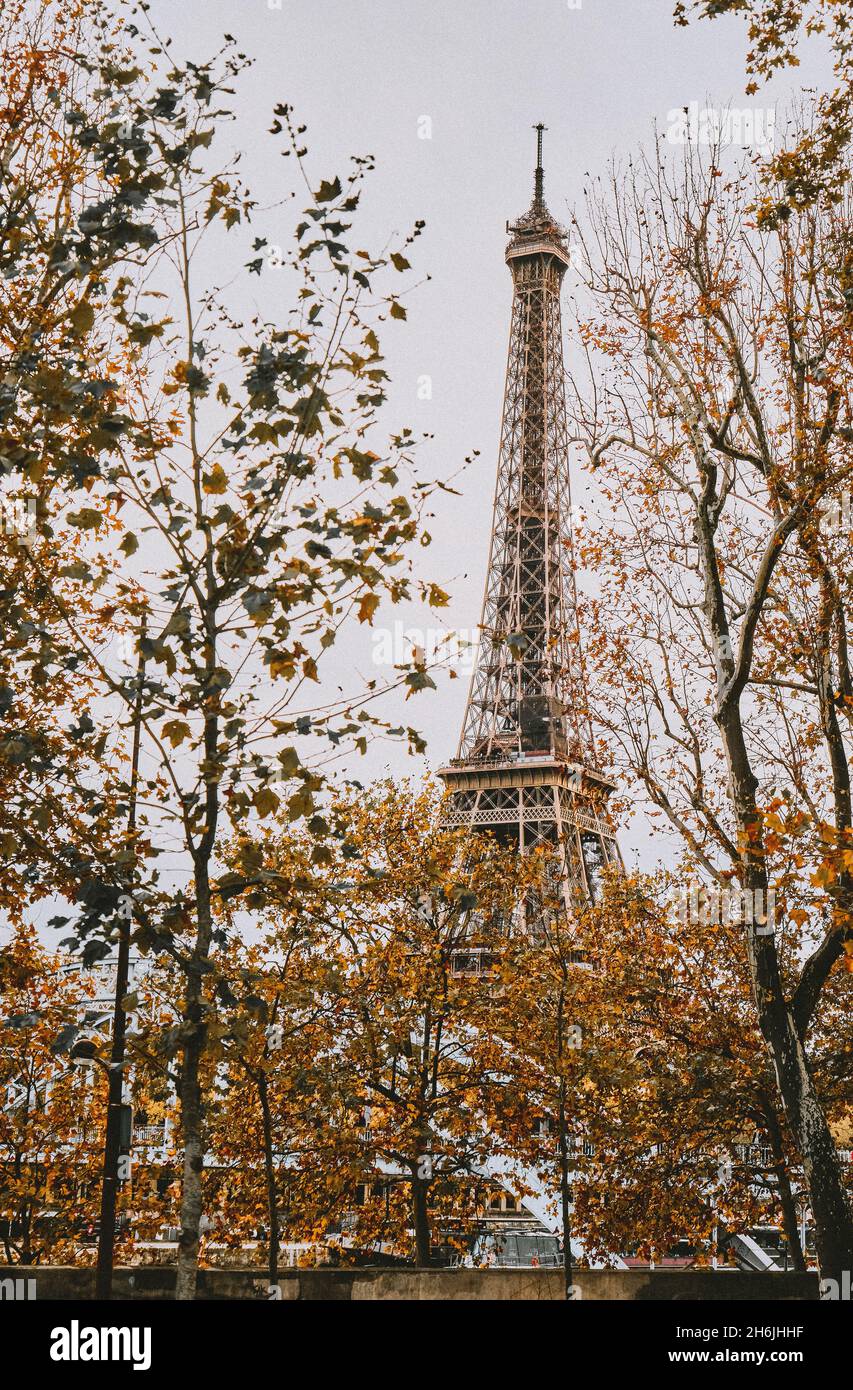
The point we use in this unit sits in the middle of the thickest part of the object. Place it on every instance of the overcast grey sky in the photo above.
(363, 75)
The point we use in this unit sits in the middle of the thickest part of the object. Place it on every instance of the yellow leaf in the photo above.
(367, 607)
(216, 480)
(176, 731)
(266, 802)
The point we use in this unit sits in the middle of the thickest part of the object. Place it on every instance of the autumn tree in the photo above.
(678, 1082)
(715, 415)
(51, 1123)
(271, 1111)
(812, 164)
(409, 913)
(540, 1021)
(235, 458)
(56, 405)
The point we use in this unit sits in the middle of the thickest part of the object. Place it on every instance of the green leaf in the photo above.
(418, 680)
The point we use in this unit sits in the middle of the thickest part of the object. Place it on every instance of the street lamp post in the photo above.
(116, 1111)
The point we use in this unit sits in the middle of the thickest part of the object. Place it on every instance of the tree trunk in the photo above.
(192, 1103)
(828, 1198)
(830, 1205)
(563, 1141)
(192, 1119)
(565, 1194)
(26, 1255)
(790, 1224)
(269, 1169)
(420, 1212)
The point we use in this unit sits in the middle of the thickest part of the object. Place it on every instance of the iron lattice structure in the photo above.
(526, 765)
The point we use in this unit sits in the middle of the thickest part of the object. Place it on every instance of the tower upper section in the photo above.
(537, 233)
(527, 696)
(526, 768)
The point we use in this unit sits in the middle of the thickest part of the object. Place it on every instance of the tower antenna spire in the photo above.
(540, 172)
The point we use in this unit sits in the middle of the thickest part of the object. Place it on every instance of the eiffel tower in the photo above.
(526, 767)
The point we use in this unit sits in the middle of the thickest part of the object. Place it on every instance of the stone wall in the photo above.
(54, 1282)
